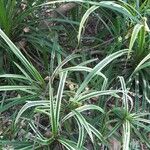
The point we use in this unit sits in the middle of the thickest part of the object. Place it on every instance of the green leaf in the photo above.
(83, 68)
(114, 129)
(15, 76)
(126, 135)
(98, 93)
(143, 120)
(112, 5)
(125, 98)
(68, 144)
(59, 96)
(81, 109)
(52, 110)
(59, 67)
(35, 74)
(23, 71)
(81, 135)
(141, 64)
(30, 104)
(16, 101)
(134, 36)
(82, 121)
(83, 20)
(98, 68)
(18, 88)
(97, 133)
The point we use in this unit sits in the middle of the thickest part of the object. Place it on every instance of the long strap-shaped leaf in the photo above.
(98, 68)
(83, 68)
(59, 96)
(106, 4)
(141, 64)
(97, 133)
(126, 135)
(52, 110)
(14, 76)
(30, 104)
(81, 109)
(125, 98)
(82, 120)
(69, 145)
(59, 67)
(81, 135)
(17, 88)
(99, 93)
(83, 20)
(134, 36)
(35, 74)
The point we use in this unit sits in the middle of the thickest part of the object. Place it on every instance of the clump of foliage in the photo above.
(75, 74)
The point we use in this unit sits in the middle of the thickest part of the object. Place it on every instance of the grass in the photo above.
(76, 79)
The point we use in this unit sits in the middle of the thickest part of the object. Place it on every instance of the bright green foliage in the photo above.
(75, 80)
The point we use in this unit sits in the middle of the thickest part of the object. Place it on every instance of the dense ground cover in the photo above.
(74, 74)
